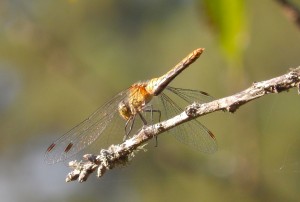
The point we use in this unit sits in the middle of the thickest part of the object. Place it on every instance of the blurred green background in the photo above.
(60, 60)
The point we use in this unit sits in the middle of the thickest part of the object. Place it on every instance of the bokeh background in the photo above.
(60, 60)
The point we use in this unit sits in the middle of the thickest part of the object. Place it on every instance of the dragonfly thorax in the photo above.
(136, 100)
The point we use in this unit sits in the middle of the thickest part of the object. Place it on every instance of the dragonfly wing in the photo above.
(191, 133)
(191, 96)
(196, 135)
(84, 133)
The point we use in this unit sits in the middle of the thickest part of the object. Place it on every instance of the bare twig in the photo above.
(292, 12)
(120, 155)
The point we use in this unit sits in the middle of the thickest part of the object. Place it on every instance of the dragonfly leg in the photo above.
(151, 110)
(131, 122)
(159, 116)
(142, 118)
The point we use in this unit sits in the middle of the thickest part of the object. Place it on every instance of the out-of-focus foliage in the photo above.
(228, 19)
(61, 59)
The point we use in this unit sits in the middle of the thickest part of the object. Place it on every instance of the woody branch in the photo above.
(120, 155)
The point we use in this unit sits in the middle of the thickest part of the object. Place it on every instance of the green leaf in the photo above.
(228, 19)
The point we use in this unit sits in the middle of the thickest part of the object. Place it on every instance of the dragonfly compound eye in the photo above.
(124, 110)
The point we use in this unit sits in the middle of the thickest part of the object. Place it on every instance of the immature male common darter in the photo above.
(133, 103)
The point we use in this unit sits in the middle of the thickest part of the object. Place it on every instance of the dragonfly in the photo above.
(134, 102)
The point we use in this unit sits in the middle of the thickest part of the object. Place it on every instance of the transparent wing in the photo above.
(191, 96)
(84, 133)
(192, 133)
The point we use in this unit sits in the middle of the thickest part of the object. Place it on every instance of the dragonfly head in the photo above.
(125, 110)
